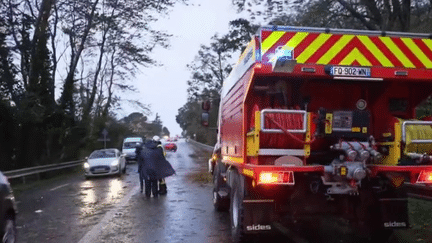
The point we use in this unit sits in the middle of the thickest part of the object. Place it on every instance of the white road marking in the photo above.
(92, 235)
(55, 188)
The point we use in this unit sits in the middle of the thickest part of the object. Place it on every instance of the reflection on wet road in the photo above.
(185, 214)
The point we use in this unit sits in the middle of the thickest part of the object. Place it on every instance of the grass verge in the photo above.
(202, 177)
(420, 212)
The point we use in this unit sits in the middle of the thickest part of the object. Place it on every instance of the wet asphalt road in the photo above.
(111, 209)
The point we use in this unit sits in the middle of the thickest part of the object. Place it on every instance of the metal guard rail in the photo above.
(12, 174)
(205, 146)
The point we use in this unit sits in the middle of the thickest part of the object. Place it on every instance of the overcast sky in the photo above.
(164, 88)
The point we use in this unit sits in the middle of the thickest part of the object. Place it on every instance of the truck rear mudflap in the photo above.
(258, 216)
(394, 213)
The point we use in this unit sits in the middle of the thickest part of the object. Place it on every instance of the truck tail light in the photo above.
(425, 177)
(276, 177)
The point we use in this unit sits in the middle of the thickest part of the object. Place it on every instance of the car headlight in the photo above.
(86, 165)
(115, 163)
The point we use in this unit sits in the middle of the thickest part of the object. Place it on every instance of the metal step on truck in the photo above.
(319, 121)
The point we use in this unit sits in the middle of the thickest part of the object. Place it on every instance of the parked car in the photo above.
(105, 162)
(8, 209)
(129, 147)
(170, 146)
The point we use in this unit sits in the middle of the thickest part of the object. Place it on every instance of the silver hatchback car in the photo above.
(105, 162)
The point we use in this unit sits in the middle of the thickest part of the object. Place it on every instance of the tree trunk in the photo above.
(39, 40)
(54, 54)
(111, 81)
(405, 16)
(88, 106)
(68, 87)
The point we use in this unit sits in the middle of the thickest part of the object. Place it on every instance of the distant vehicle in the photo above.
(170, 146)
(105, 162)
(129, 147)
(8, 209)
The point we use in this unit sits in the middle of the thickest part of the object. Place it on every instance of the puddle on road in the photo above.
(96, 197)
(115, 187)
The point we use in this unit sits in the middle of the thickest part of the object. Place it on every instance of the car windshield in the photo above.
(102, 154)
(131, 145)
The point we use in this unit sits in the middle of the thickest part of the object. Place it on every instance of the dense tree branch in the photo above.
(357, 15)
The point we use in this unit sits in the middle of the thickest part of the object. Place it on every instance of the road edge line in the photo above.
(58, 187)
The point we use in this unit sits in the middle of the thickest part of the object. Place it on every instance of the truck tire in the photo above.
(221, 204)
(237, 209)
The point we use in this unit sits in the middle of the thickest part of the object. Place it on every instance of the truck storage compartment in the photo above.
(272, 123)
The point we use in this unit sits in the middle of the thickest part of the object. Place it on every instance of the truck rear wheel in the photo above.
(220, 203)
(237, 209)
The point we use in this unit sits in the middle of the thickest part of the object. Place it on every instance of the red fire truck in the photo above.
(322, 121)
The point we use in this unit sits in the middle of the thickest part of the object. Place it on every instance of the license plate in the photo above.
(350, 71)
(100, 170)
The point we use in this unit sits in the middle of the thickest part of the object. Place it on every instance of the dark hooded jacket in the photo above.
(152, 162)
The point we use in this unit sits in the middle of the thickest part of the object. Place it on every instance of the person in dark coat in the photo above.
(162, 184)
(153, 167)
(138, 150)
